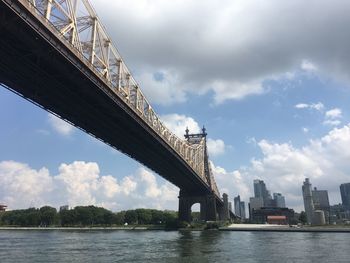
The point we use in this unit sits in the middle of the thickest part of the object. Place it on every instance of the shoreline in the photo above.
(281, 228)
(229, 228)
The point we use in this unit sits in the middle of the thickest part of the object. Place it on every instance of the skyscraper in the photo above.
(237, 204)
(279, 200)
(260, 191)
(239, 207)
(242, 209)
(345, 195)
(308, 203)
(321, 202)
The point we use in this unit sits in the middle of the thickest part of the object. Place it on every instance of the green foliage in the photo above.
(119, 218)
(88, 216)
(144, 216)
(48, 216)
(68, 217)
(303, 218)
(130, 217)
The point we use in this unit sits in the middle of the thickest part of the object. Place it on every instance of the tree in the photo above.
(157, 217)
(48, 215)
(130, 217)
(302, 217)
(119, 218)
(68, 217)
(144, 216)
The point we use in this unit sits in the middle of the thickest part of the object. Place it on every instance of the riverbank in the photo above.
(285, 228)
(86, 228)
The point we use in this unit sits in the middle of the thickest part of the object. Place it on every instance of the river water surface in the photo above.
(161, 246)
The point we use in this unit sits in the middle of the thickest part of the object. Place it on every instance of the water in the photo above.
(161, 246)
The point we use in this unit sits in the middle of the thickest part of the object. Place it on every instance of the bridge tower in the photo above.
(210, 208)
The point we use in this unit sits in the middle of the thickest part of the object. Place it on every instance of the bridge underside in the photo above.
(210, 209)
(34, 64)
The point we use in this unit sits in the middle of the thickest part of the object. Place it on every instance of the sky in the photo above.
(268, 79)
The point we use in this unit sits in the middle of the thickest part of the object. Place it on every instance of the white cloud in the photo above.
(80, 183)
(166, 90)
(315, 106)
(59, 125)
(334, 113)
(215, 147)
(332, 117)
(308, 66)
(225, 90)
(283, 167)
(231, 48)
(22, 186)
(178, 124)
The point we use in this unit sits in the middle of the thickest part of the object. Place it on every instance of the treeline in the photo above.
(86, 216)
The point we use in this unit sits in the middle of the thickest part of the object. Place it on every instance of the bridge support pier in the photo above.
(208, 207)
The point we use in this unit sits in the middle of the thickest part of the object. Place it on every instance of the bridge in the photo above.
(58, 55)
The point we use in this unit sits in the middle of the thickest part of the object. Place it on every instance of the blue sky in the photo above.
(272, 95)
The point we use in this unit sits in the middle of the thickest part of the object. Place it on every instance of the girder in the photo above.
(77, 27)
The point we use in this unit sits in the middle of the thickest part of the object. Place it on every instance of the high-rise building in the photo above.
(255, 203)
(308, 202)
(237, 203)
(259, 188)
(239, 207)
(242, 209)
(279, 200)
(345, 195)
(321, 202)
(260, 191)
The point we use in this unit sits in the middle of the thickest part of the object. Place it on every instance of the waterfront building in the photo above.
(3, 208)
(321, 202)
(279, 200)
(260, 216)
(254, 204)
(277, 220)
(308, 202)
(318, 218)
(345, 195)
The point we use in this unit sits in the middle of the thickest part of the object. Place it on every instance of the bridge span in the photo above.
(57, 54)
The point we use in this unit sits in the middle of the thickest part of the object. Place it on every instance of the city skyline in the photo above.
(279, 119)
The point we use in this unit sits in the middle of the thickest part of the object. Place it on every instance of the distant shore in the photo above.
(233, 227)
(84, 228)
(282, 228)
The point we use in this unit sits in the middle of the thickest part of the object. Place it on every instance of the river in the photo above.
(173, 246)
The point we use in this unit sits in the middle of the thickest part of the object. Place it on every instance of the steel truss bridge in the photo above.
(58, 55)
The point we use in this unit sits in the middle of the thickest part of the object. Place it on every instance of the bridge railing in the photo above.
(77, 25)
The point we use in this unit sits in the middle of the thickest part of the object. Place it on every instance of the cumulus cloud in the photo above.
(178, 123)
(215, 147)
(59, 125)
(80, 183)
(229, 51)
(283, 167)
(332, 117)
